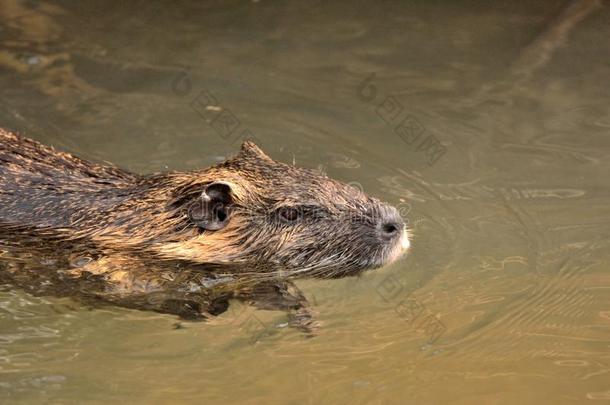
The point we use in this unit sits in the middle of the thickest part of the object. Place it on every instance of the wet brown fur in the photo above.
(53, 195)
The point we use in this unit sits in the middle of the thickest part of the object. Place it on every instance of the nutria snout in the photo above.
(250, 210)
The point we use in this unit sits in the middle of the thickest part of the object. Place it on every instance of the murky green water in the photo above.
(491, 120)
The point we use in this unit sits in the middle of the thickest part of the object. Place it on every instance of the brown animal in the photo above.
(249, 212)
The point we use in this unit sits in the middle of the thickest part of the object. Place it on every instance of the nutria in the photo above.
(247, 212)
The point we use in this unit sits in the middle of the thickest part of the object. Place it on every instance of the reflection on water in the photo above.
(506, 294)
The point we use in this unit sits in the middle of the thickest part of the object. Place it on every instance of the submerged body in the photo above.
(249, 212)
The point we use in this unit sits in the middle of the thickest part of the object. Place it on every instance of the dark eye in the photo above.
(289, 214)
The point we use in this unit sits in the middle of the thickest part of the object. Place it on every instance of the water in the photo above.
(506, 294)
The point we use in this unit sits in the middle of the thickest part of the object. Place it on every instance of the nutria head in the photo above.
(253, 210)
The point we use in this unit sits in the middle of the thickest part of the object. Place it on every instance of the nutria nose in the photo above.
(390, 228)
(391, 225)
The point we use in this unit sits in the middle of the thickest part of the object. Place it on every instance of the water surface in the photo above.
(489, 124)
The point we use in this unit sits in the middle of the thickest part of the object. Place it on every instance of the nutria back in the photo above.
(248, 210)
(46, 189)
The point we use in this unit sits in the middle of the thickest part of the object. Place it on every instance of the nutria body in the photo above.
(249, 211)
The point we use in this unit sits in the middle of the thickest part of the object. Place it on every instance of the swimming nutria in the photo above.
(176, 242)
(247, 210)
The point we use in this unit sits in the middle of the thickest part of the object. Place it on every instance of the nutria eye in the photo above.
(289, 214)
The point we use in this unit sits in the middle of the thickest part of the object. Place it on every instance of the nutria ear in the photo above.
(249, 149)
(211, 211)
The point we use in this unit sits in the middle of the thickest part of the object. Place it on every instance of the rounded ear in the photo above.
(211, 211)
